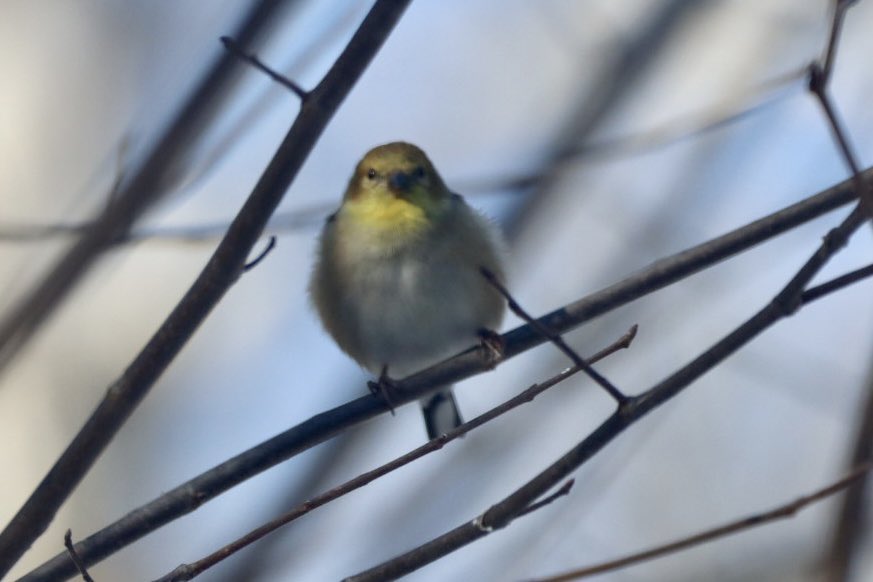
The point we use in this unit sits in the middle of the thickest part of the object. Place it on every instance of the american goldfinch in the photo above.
(397, 281)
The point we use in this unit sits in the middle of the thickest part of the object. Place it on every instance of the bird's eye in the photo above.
(371, 173)
(419, 172)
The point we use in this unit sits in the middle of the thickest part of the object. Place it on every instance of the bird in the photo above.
(397, 281)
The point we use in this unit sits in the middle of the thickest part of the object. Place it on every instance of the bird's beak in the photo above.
(400, 182)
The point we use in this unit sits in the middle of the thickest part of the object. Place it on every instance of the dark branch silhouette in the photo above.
(228, 263)
(190, 571)
(505, 511)
(192, 494)
(782, 512)
(160, 172)
(80, 566)
(222, 270)
(786, 303)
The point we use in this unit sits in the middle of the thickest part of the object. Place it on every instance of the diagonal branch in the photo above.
(626, 65)
(161, 169)
(716, 116)
(830, 53)
(782, 512)
(222, 270)
(192, 494)
(555, 338)
(190, 571)
(787, 302)
(80, 566)
(257, 63)
(851, 520)
(504, 512)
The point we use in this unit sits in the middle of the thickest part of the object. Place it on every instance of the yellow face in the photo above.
(395, 187)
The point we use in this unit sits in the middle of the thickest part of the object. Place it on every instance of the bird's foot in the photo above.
(492, 345)
(384, 388)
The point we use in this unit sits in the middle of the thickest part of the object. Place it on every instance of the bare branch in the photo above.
(190, 495)
(628, 63)
(222, 270)
(836, 284)
(715, 116)
(818, 86)
(564, 490)
(851, 518)
(190, 571)
(253, 60)
(288, 221)
(782, 512)
(271, 244)
(819, 80)
(554, 338)
(830, 53)
(161, 170)
(786, 303)
(68, 543)
(228, 263)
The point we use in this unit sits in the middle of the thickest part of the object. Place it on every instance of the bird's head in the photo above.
(395, 186)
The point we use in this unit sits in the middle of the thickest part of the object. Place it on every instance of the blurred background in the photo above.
(494, 91)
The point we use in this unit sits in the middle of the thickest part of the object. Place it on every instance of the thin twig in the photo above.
(253, 60)
(830, 53)
(836, 284)
(782, 512)
(219, 274)
(288, 221)
(554, 338)
(192, 494)
(564, 490)
(818, 86)
(80, 566)
(271, 244)
(189, 571)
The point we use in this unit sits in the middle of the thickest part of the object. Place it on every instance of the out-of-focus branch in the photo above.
(161, 170)
(288, 221)
(222, 270)
(782, 512)
(718, 115)
(192, 494)
(190, 571)
(715, 116)
(629, 62)
(850, 522)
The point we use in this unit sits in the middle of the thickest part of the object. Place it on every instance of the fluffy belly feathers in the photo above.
(412, 313)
